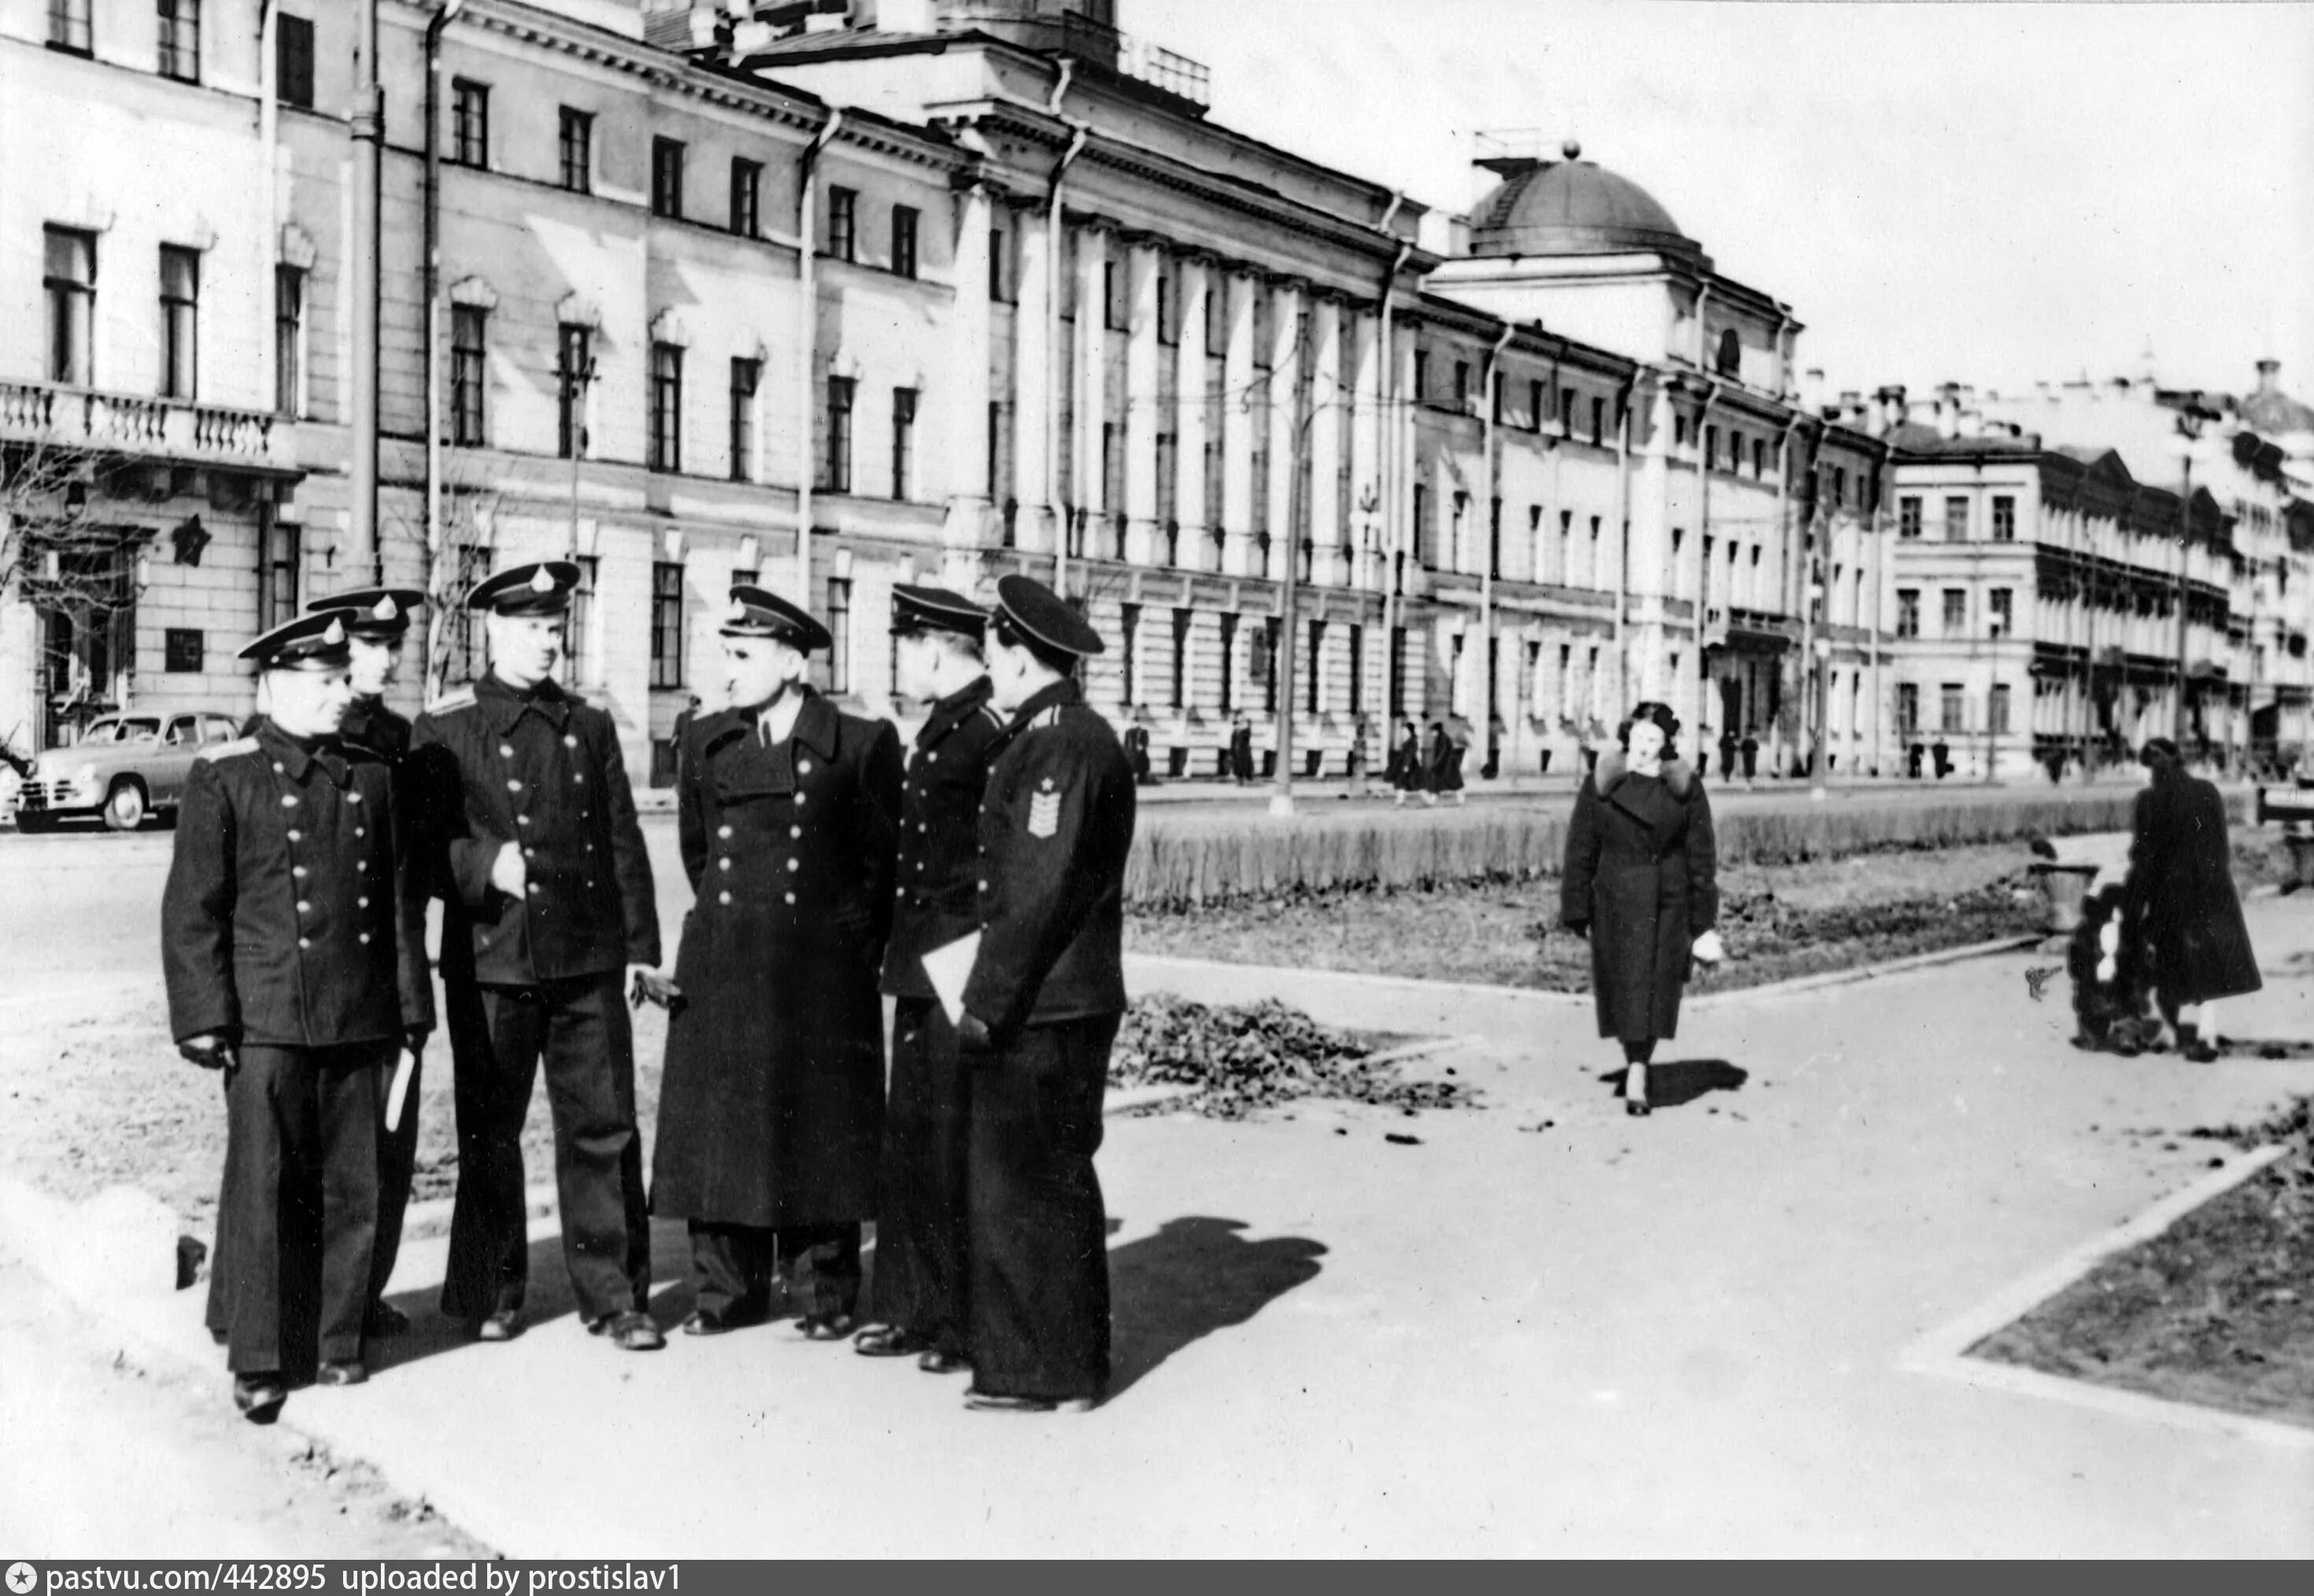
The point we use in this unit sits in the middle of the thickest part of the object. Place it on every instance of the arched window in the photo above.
(1730, 359)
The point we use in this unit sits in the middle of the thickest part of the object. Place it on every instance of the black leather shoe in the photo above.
(887, 1341)
(825, 1327)
(504, 1324)
(722, 1321)
(991, 1402)
(941, 1361)
(632, 1331)
(260, 1396)
(383, 1319)
(346, 1372)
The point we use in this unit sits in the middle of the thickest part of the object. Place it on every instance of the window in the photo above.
(1265, 663)
(466, 374)
(1421, 375)
(280, 563)
(1357, 668)
(1128, 627)
(1710, 448)
(904, 239)
(1997, 709)
(666, 624)
(293, 61)
(1169, 330)
(2004, 622)
(1953, 713)
(999, 277)
(666, 178)
(1908, 708)
(288, 340)
(70, 282)
(747, 199)
(1566, 415)
(1760, 457)
(2004, 518)
(181, 304)
(1317, 654)
(470, 123)
(1217, 319)
(69, 25)
(904, 439)
(667, 407)
(1180, 686)
(747, 375)
(181, 650)
(1839, 485)
(1229, 664)
(1112, 297)
(1955, 520)
(839, 633)
(574, 370)
(1908, 611)
(1908, 515)
(843, 223)
(1955, 610)
(1598, 418)
(1461, 384)
(1729, 358)
(575, 145)
(1425, 529)
(835, 469)
(579, 623)
(181, 40)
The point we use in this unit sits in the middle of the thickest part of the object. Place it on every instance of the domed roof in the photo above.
(1572, 207)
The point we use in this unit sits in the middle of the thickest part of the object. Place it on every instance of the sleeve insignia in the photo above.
(1044, 814)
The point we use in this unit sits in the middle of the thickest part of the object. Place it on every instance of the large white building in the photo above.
(908, 290)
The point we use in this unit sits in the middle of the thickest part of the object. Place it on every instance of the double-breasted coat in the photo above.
(771, 1108)
(1642, 875)
(2180, 906)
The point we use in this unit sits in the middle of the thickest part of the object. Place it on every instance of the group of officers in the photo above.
(826, 867)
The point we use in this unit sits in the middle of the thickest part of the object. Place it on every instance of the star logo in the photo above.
(542, 580)
(22, 1579)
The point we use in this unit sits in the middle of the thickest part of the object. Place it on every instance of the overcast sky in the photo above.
(1991, 193)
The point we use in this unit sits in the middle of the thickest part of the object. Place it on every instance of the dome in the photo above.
(1572, 207)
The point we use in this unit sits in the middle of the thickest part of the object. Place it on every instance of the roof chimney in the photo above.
(1812, 387)
(2269, 376)
(1948, 409)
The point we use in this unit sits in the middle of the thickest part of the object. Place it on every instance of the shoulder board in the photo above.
(217, 751)
(458, 697)
(1051, 716)
(995, 715)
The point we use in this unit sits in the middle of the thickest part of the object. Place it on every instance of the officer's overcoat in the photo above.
(2181, 908)
(934, 896)
(1642, 874)
(771, 1111)
(542, 770)
(1056, 828)
(288, 918)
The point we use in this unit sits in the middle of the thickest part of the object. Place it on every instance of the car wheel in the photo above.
(124, 807)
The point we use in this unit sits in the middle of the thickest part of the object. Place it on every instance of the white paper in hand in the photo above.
(949, 969)
(400, 1089)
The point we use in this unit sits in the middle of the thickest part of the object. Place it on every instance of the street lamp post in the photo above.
(2190, 446)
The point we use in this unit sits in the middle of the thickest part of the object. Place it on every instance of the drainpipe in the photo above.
(1794, 594)
(1057, 371)
(1622, 538)
(1702, 538)
(1394, 514)
(1494, 531)
(362, 289)
(808, 339)
(269, 134)
(438, 572)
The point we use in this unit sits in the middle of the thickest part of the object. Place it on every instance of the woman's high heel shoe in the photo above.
(1635, 1102)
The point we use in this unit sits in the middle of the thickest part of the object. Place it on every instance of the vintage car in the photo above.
(125, 767)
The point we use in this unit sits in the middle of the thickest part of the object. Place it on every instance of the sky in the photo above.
(1992, 194)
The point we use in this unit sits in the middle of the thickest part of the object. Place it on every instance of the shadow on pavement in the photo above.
(1679, 1081)
(1195, 1276)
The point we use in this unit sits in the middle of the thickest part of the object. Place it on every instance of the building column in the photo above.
(965, 455)
(1239, 413)
(1369, 558)
(1330, 444)
(1091, 366)
(1036, 404)
(1190, 427)
(1145, 542)
(1287, 436)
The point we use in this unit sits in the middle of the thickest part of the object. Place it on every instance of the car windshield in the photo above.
(132, 729)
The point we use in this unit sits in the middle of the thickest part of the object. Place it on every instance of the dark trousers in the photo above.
(498, 1037)
(298, 1208)
(1038, 1236)
(920, 1225)
(397, 1167)
(731, 1266)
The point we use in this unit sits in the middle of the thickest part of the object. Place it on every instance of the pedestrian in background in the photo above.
(294, 952)
(1445, 764)
(2181, 910)
(547, 904)
(1406, 772)
(1641, 881)
(771, 1113)
(1041, 1009)
(1240, 750)
(921, 1258)
(376, 621)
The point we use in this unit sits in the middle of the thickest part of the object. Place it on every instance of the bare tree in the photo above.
(452, 561)
(55, 554)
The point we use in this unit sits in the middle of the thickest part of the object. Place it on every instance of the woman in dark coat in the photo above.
(2181, 910)
(771, 1111)
(1641, 881)
(1445, 761)
(1406, 760)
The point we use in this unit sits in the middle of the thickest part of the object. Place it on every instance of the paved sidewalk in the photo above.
(1542, 1329)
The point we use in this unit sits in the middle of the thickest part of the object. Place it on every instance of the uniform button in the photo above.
(795, 830)
(799, 800)
(530, 854)
(922, 826)
(513, 785)
(791, 897)
(288, 800)
(723, 864)
(590, 847)
(353, 797)
(722, 831)
(365, 937)
(920, 864)
(296, 836)
(505, 749)
(298, 871)
(569, 741)
(722, 897)
(522, 820)
(900, 892)
(931, 755)
(303, 942)
(534, 887)
(984, 885)
(579, 777)
(303, 907)
(276, 767)
(359, 831)
(363, 902)
(794, 864)
(803, 767)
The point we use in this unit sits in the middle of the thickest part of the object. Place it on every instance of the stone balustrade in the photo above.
(132, 424)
